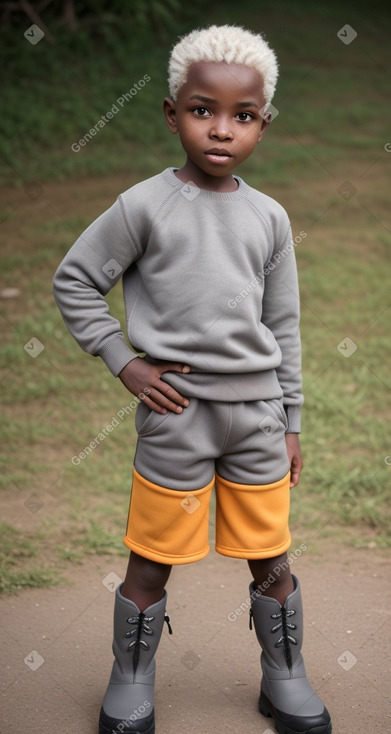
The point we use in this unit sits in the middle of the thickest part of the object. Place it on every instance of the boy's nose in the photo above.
(221, 129)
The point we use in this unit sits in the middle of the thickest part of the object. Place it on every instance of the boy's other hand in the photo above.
(142, 379)
(294, 456)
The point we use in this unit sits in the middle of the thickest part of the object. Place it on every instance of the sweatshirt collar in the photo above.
(175, 182)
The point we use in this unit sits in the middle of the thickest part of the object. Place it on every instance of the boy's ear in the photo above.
(169, 109)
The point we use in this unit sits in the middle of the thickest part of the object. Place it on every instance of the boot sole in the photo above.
(104, 730)
(267, 709)
(108, 725)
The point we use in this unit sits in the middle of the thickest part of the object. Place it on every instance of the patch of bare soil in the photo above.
(56, 646)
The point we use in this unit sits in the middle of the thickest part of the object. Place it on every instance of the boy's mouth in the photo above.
(218, 155)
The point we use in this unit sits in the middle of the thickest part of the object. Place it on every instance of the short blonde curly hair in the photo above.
(229, 43)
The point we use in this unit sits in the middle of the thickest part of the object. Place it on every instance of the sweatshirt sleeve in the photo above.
(281, 314)
(91, 268)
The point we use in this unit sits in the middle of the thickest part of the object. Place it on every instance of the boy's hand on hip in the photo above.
(294, 456)
(142, 378)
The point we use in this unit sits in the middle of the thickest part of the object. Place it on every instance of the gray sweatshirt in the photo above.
(209, 280)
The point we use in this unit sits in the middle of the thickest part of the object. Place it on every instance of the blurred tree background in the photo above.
(91, 53)
(94, 51)
(155, 17)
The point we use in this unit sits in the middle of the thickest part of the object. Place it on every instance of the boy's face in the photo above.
(217, 117)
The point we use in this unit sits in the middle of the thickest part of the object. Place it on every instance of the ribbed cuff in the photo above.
(293, 414)
(116, 354)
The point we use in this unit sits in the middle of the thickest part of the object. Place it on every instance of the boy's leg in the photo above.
(286, 694)
(145, 581)
(273, 576)
(252, 513)
(167, 524)
(139, 614)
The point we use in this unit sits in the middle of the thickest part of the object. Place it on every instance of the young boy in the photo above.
(211, 297)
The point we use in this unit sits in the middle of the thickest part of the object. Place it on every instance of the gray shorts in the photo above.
(242, 442)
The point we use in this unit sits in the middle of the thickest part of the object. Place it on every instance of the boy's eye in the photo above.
(201, 111)
(244, 116)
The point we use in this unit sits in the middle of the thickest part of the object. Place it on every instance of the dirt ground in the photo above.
(56, 647)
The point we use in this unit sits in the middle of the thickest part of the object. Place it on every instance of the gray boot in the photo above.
(128, 702)
(286, 694)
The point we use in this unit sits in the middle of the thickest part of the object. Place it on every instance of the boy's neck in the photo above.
(220, 184)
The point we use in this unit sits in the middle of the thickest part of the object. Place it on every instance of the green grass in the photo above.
(20, 563)
(332, 127)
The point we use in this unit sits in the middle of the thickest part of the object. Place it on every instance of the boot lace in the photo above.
(141, 625)
(285, 639)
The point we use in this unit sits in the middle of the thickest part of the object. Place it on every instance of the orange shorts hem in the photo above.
(254, 554)
(169, 559)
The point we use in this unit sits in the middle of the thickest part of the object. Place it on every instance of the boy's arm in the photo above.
(294, 456)
(281, 314)
(91, 268)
